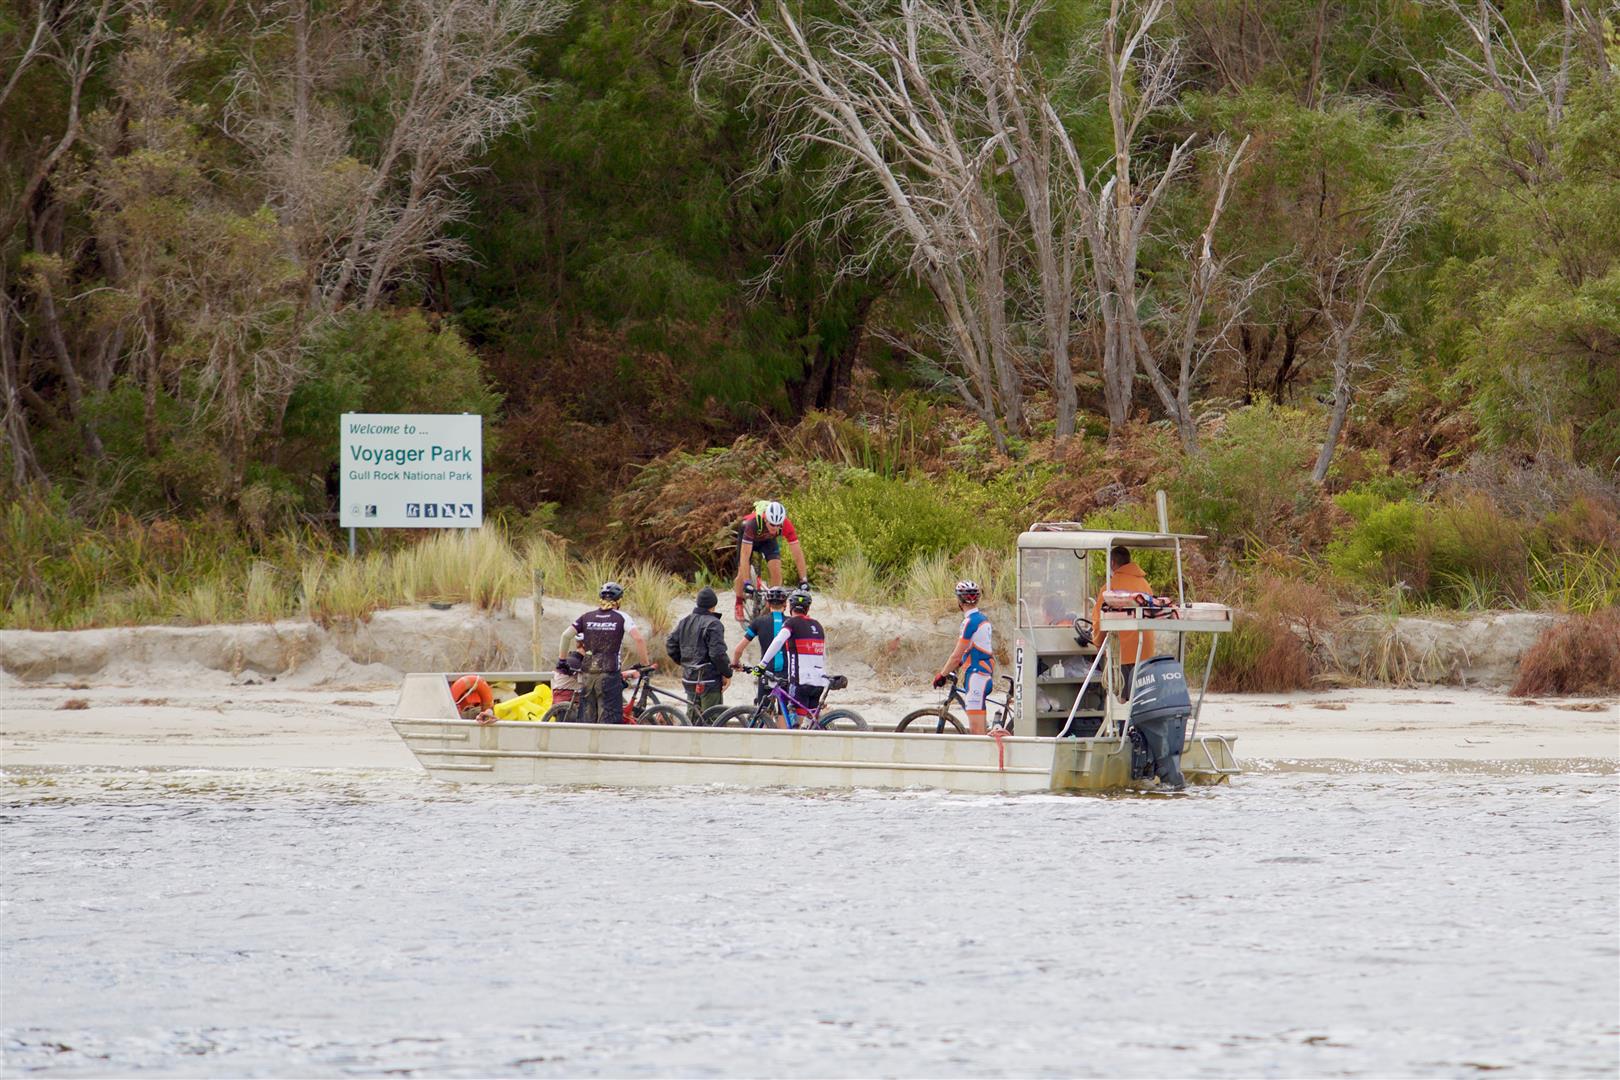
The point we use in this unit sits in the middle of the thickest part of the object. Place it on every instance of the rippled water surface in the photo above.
(207, 923)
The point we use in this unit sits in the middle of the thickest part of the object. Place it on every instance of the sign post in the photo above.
(411, 471)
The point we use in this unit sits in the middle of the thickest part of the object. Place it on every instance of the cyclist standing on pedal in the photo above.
(974, 649)
(764, 630)
(804, 643)
(763, 531)
(601, 636)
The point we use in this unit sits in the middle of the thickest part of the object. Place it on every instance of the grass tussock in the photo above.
(1372, 650)
(855, 580)
(1579, 582)
(548, 556)
(927, 585)
(1578, 655)
(649, 594)
(203, 604)
(1262, 655)
(266, 599)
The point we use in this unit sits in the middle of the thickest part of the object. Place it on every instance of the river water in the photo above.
(280, 923)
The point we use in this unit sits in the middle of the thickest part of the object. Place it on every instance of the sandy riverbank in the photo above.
(296, 695)
(209, 723)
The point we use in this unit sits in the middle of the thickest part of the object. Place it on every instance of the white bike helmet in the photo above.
(774, 514)
(967, 590)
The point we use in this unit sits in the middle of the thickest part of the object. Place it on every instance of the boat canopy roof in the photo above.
(1072, 536)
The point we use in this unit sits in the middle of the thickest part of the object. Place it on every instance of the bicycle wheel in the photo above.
(662, 716)
(736, 714)
(841, 720)
(565, 713)
(931, 721)
(714, 715)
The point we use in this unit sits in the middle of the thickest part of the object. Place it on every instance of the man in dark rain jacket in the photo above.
(698, 644)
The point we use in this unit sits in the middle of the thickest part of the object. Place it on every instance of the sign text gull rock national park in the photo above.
(411, 471)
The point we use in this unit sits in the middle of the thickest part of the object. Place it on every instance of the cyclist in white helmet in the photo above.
(762, 531)
(974, 656)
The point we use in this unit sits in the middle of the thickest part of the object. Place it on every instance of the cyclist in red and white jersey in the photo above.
(804, 643)
(762, 531)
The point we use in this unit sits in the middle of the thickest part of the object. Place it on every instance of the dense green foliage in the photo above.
(208, 253)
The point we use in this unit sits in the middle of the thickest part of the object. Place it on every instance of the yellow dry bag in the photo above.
(530, 706)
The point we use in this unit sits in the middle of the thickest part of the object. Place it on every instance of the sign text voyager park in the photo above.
(411, 471)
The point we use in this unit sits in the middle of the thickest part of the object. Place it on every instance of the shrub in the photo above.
(681, 509)
(1577, 655)
(1386, 543)
(903, 434)
(1251, 478)
(892, 522)
(1261, 655)
(380, 361)
(1464, 553)
(1586, 524)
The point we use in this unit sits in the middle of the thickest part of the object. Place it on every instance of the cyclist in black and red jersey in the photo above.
(762, 531)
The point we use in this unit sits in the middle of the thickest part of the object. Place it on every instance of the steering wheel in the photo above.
(1082, 632)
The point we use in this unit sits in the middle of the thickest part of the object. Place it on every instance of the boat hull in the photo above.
(644, 756)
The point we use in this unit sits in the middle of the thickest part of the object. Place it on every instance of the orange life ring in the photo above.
(472, 694)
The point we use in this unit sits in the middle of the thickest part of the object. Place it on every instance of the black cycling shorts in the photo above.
(771, 549)
(808, 696)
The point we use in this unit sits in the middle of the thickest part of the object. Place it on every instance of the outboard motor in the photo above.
(1159, 710)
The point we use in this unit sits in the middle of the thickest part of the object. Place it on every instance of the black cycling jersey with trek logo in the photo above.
(601, 635)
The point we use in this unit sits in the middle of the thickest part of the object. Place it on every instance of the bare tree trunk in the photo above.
(1313, 85)
(1345, 283)
(1205, 271)
(993, 291)
(77, 63)
(51, 321)
(1342, 393)
(151, 375)
(24, 462)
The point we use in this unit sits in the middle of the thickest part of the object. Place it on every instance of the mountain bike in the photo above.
(644, 707)
(754, 587)
(777, 702)
(997, 714)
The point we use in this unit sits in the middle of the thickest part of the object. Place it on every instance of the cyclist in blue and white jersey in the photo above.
(974, 655)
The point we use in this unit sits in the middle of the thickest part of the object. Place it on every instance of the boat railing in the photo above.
(1201, 618)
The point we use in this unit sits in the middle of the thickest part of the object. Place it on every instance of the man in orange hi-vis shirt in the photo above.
(1126, 576)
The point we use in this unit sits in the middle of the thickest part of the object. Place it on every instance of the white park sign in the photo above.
(411, 471)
